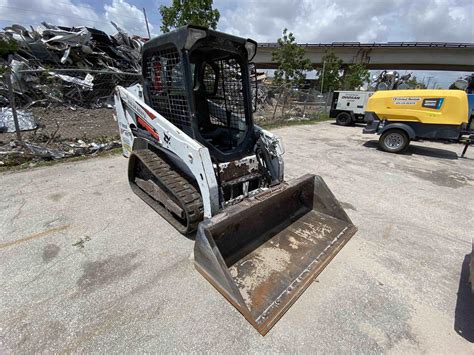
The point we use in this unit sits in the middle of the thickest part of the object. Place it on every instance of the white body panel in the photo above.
(129, 108)
(354, 101)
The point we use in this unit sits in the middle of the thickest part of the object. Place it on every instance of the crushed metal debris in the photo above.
(26, 120)
(69, 65)
(63, 80)
(16, 153)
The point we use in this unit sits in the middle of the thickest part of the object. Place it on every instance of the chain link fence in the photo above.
(53, 113)
(281, 103)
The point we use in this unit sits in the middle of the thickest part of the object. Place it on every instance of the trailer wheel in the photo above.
(343, 119)
(394, 141)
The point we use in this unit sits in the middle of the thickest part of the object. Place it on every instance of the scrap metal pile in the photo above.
(13, 154)
(390, 80)
(58, 74)
(71, 66)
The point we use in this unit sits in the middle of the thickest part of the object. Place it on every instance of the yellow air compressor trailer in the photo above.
(400, 116)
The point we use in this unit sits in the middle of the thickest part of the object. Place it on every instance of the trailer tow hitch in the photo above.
(469, 141)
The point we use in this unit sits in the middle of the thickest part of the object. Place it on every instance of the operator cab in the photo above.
(219, 98)
(198, 79)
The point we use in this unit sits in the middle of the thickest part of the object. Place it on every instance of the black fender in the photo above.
(404, 127)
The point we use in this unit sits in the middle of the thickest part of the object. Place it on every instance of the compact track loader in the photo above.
(197, 158)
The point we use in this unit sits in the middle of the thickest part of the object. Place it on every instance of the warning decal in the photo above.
(433, 103)
(403, 100)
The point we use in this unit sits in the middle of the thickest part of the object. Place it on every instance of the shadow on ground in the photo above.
(355, 124)
(464, 313)
(417, 150)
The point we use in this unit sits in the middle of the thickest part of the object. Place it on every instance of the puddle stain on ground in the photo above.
(444, 178)
(102, 272)
(56, 196)
(50, 251)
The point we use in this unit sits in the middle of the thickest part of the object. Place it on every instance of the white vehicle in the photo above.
(348, 107)
(197, 158)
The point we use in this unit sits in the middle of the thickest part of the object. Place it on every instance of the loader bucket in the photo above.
(262, 253)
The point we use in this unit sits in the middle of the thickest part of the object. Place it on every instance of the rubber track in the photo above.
(184, 193)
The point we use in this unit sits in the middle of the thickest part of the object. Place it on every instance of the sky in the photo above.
(312, 21)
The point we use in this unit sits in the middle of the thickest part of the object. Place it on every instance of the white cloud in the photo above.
(263, 20)
(311, 21)
(319, 21)
(64, 13)
(349, 20)
(69, 13)
(126, 16)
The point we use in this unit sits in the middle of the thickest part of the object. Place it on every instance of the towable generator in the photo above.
(402, 115)
(197, 158)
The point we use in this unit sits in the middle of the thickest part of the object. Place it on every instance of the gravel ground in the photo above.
(87, 267)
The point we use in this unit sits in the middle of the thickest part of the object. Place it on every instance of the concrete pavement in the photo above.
(86, 266)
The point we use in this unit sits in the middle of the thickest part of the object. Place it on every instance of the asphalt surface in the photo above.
(86, 266)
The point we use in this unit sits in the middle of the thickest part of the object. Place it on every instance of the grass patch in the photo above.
(286, 123)
(42, 163)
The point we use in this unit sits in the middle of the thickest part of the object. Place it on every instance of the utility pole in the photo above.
(146, 22)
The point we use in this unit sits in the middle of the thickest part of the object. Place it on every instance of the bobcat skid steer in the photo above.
(196, 157)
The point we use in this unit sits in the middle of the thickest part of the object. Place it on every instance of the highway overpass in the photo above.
(391, 55)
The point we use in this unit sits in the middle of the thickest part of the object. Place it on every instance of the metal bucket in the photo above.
(264, 252)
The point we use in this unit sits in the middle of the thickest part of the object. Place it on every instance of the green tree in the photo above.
(189, 12)
(355, 76)
(331, 66)
(291, 61)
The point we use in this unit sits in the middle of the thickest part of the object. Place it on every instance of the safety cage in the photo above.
(198, 79)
